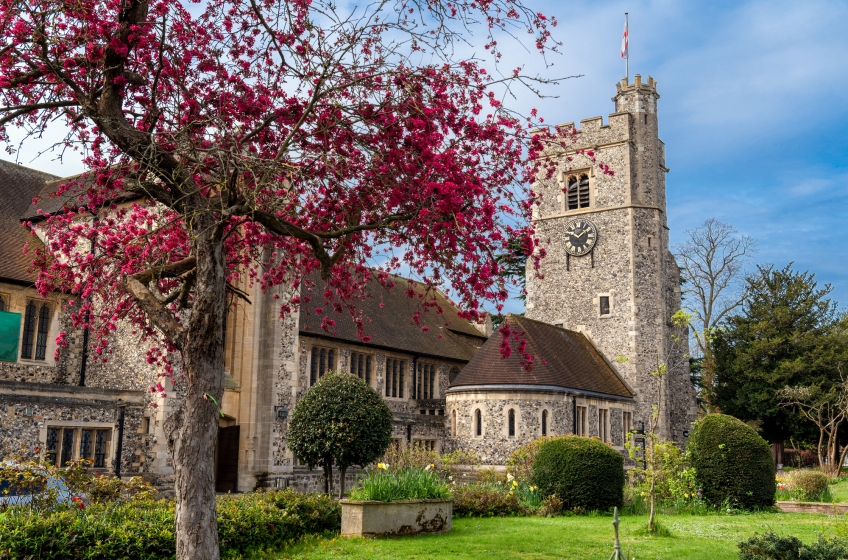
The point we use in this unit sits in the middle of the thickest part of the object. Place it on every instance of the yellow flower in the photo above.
(514, 483)
(532, 488)
(383, 466)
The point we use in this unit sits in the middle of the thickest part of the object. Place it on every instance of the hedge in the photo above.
(144, 530)
(584, 473)
(733, 464)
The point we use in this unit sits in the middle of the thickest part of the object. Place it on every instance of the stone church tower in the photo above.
(608, 271)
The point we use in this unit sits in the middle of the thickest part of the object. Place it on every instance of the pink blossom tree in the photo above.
(260, 141)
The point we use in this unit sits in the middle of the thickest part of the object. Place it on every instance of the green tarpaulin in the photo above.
(10, 331)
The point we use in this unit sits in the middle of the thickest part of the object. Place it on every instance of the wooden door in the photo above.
(226, 476)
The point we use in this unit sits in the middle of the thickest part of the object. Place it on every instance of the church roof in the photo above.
(561, 358)
(18, 186)
(388, 321)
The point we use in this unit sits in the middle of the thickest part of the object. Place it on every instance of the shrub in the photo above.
(732, 463)
(774, 547)
(383, 485)
(520, 461)
(486, 500)
(145, 529)
(586, 474)
(808, 486)
(340, 420)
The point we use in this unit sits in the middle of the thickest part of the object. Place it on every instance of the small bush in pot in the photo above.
(584, 473)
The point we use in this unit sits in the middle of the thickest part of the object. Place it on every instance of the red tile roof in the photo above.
(18, 186)
(389, 323)
(561, 358)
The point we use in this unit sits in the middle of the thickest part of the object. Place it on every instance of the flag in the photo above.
(624, 38)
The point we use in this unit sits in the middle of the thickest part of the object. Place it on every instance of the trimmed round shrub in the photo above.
(733, 464)
(584, 473)
(808, 485)
(340, 421)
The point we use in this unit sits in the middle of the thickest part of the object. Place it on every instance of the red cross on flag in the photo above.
(624, 38)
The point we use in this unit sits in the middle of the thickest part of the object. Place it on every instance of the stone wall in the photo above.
(28, 409)
(495, 444)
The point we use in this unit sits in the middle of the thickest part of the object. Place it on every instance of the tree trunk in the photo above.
(194, 429)
(342, 471)
(328, 475)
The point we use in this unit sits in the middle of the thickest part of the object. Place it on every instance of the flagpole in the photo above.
(627, 59)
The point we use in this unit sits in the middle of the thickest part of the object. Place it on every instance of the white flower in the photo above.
(427, 468)
(509, 477)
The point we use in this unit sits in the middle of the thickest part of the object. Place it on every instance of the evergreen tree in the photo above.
(774, 342)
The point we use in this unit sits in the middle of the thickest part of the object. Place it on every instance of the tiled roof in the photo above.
(561, 358)
(391, 326)
(18, 186)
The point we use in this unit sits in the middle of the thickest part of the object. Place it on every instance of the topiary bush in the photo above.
(733, 464)
(584, 473)
(340, 421)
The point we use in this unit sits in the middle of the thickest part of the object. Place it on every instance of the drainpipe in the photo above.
(119, 448)
(574, 414)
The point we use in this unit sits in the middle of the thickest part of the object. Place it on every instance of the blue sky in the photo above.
(753, 113)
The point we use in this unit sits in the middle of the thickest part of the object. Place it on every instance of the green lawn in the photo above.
(840, 492)
(712, 537)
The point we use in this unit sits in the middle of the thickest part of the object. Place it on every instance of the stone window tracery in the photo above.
(603, 424)
(581, 421)
(69, 443)
(426, 381)
(394, 374)
(360, 366)
(36, 327)
(323, 360)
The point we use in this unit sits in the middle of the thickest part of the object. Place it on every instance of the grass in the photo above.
(709, 537)
(839, 491)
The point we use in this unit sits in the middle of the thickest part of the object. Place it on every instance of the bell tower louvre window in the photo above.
(577, 195)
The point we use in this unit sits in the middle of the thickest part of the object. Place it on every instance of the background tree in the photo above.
(822, 399)
(771, 344)
(713, 260)
(263, 140)
(342, 421)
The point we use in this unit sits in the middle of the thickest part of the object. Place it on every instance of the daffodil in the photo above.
(383, 466)
(515, 484)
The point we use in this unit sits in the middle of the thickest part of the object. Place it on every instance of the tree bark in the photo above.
(328, 475)
(342, 471)
(193, 438)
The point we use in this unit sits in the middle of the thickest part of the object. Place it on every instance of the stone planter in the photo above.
(403, 517)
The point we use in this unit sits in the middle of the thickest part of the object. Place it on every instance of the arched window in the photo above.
(577, 195)
(544, 422)
(29, 331)
(478, 423)
(511, 422)
(453, 423)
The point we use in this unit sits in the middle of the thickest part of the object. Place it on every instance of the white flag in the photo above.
(624, 42)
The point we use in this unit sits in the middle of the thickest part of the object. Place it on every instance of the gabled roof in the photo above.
(18, 186)
(388, 321)
(561, 358)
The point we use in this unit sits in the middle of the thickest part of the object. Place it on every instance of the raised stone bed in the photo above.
(812, 507)
(403, 517)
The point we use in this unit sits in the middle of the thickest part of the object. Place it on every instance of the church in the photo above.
(598, 324)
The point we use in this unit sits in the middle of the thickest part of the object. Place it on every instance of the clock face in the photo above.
(580, 237)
